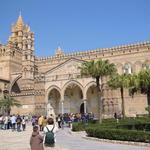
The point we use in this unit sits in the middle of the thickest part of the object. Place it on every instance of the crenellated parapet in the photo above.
(100, 53)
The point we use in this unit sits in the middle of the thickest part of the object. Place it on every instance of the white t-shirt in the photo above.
(1, 119)
(23, 121)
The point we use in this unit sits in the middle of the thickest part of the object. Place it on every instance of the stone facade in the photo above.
(51, 84)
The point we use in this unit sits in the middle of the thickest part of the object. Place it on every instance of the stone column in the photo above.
(62, 107)
(84, 101)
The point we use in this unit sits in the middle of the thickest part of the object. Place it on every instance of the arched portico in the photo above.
(53, 100)
(92, 101)
(73, 97)
(69, 83)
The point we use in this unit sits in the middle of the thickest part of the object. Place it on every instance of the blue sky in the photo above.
(78, 25)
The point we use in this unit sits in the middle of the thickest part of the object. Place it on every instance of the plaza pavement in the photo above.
(65, 141)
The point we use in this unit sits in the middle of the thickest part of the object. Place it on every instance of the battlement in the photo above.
(130, 48)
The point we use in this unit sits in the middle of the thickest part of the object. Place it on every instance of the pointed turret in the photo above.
(20, 32)
(19, 22)
(59, 51)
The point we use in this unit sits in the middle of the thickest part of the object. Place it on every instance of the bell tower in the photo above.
(28, 59)
(23, 39)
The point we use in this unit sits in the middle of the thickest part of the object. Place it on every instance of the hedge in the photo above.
(118, 134)
(78, 126)
(140, 126)
(81, 126)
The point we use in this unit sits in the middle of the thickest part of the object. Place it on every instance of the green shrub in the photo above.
(78, 126)
(139, 126)
(126, 130)
(139, 123)
(118, 134)
(92, 121)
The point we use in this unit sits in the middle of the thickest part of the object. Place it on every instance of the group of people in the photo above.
(14, 122)
(62, 119)
(44, 128)
(68, 118)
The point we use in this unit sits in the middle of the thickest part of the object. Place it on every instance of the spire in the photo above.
(20, 21)
(59, 51)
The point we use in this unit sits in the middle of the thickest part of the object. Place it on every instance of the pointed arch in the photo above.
(127, 68)
(93, 83)
(51, 88)
(53, 98)
(69, 83)
(146, 64)
(14, 81)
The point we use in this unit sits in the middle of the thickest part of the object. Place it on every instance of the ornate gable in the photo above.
(68, 67)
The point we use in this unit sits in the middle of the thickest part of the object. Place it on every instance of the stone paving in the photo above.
(65, 141)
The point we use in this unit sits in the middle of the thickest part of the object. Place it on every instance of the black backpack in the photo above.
(49, 138)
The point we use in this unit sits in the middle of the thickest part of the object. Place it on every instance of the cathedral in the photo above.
(51, 85)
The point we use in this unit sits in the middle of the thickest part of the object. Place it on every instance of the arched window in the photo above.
(146, 65)
(127, 69)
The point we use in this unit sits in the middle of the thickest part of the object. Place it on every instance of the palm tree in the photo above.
(141, 83)
(97, 70)
(7, 103)
(121, 81)
(144, 83)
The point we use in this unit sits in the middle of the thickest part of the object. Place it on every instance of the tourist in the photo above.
(27, 118)
(1, 121)
(115, 115)
(23, 123)
(58, 119)
(13, 122)
(50, 127)
(40, 122)
(36, 140)
(6, 122)
(44, 122)
(9, 122)
(18, 121)
(62, 124)
(91, 116)
(33, 120)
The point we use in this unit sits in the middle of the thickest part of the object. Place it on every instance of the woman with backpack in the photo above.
(49, 134)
